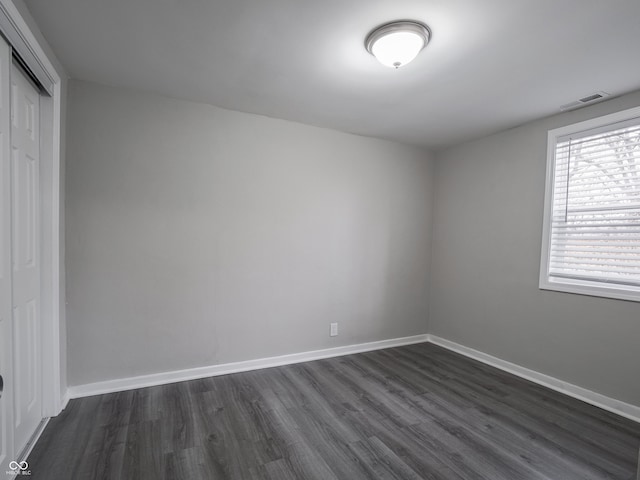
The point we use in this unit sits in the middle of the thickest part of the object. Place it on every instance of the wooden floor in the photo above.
(416, 412)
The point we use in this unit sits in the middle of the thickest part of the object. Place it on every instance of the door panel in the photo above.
(25, 153)
(6, 330)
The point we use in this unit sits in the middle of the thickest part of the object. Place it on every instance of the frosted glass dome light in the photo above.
(398, 43)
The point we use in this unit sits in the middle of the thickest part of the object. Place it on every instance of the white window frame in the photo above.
(568, 285)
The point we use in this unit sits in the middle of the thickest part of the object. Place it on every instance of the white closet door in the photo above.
(6, 332)
(25, 187)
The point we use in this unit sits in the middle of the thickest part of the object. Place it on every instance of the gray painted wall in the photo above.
(199, 236)
(486, 262)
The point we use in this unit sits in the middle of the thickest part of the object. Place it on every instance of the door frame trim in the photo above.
(52, 305)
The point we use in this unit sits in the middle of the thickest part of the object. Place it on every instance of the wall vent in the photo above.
(584, 101)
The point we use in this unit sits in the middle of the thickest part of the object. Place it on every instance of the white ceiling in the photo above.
(490, 65)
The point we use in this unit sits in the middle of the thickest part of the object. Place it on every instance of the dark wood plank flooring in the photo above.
(415, 412)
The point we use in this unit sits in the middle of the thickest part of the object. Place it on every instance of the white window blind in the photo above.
(595, 216)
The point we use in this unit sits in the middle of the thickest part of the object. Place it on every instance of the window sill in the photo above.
(593, 289)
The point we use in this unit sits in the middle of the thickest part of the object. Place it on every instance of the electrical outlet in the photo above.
(334, 330)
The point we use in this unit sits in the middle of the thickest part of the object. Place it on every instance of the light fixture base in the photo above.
(398, 27)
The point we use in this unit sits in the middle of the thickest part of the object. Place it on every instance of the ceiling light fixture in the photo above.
(396, 44)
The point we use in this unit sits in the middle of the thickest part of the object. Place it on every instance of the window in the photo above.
(591, 237)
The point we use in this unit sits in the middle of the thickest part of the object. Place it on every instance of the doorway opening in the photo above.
(31, 273)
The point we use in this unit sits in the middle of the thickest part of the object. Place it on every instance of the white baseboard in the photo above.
(26, 451)
(618, 407)
(154, 379)
(64, 401)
